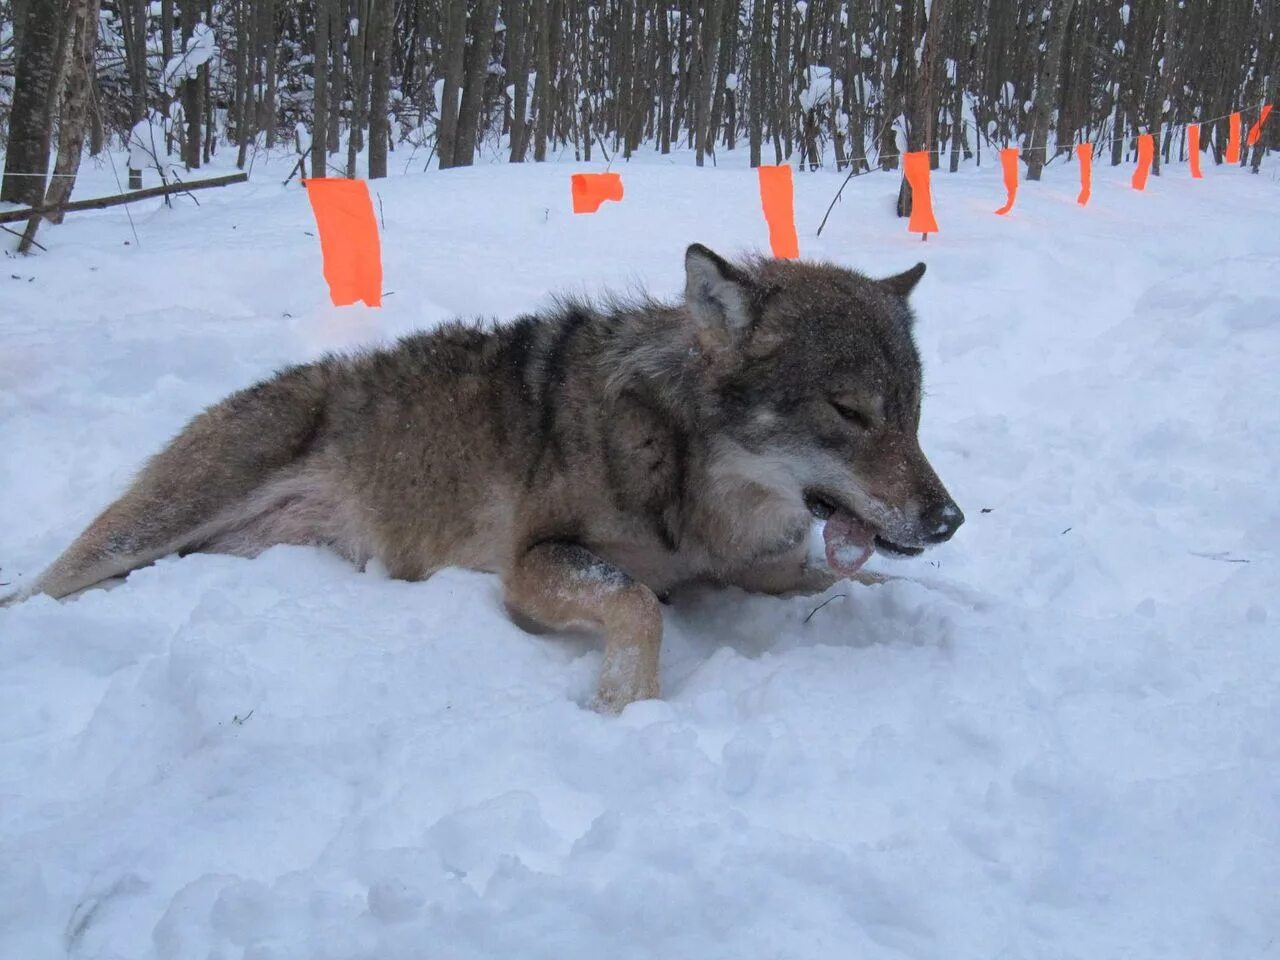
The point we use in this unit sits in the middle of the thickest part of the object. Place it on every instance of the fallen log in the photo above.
(97, 203)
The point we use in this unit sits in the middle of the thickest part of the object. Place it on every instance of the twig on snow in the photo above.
(1222, 557)
(838, 596)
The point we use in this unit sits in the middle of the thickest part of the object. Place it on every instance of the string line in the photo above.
(894, 156)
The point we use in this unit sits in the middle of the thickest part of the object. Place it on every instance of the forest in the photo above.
(446, 83)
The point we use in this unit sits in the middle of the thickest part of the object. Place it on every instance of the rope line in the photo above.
(1130, 136)
(1060, 147)
(894, 156)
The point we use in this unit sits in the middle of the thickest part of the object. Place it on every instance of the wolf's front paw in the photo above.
(621, 683)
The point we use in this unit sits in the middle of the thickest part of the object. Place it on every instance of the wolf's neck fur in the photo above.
(733, 503)
(654, 349)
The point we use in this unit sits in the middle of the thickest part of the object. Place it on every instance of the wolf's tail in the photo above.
(216, 462)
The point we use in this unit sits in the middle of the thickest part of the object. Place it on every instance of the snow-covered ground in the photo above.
(1062, 742)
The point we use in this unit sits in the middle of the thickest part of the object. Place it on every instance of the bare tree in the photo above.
(321, 86)
(268, 48)
(74, 112)
(34, 97)
(920, 38)
(704, 69)
(358, 47)
(192, 91)
(1059, 15)
(518, 75)
(380, 72)
(544, 103)
(455, 48)
(478, 56)
(133, 23)
(756, 86)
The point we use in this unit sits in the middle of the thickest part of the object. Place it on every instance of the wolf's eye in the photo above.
(854, 415)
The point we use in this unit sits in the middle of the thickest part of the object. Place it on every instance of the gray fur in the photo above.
(593, 457)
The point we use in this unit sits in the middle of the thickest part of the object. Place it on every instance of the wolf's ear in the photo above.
(717, 293)
(903, 283)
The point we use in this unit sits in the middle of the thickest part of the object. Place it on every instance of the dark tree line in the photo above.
(445, 82)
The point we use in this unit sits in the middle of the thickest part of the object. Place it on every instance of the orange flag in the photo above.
(1256, 130)
(1233, 141)
(777, 196)
(348, 240)
(1009, 161)
(1146, 151)
(1084, 156)
(916, 167)
(1193, 144)
(592, 189)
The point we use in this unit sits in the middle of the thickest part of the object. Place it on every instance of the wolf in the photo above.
(594, 457)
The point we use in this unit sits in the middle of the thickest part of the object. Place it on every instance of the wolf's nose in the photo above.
(941, 521)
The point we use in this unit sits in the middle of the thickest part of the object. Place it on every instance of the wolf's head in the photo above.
(815, 385)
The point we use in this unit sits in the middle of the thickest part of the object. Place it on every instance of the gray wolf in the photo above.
(594, 457)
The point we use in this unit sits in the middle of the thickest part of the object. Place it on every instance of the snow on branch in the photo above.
(201, 47)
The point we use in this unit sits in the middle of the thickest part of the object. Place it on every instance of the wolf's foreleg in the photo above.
(784, 578)
(558, 585)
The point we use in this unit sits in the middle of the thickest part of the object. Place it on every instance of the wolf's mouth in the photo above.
(850, 540)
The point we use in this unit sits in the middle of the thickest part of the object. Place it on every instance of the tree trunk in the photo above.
(75, 105)
(518, 72)
(1047, 88)
(248, 28)
(269, 47)
(320, 92)
(210, 131)
(455, 48)
(707, 69)
(166, 54)
(542, 98)
(755, 89)
(380, 57)
(31, 117)
(464, 146)
(192, 92)
(666, 86)
(133, 27)
(358, 45)
(337, 72)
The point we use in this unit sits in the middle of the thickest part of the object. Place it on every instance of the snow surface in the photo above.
(1064, 742)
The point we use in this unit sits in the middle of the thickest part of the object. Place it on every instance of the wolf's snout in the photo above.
(941, 521)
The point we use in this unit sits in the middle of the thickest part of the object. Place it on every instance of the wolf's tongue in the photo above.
(849, 541)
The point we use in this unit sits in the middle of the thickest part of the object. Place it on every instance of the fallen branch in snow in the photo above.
(296, 168)
(34, 242)
(97, 203)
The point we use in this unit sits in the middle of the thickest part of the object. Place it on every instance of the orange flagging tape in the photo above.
(1256, 130)
(1146, 150)
(348, 240)
(916, 167)
(1084, 156)
(778, 199)
(592, 189)
(1233, 141)
(1193, 144)
(1009, 161)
